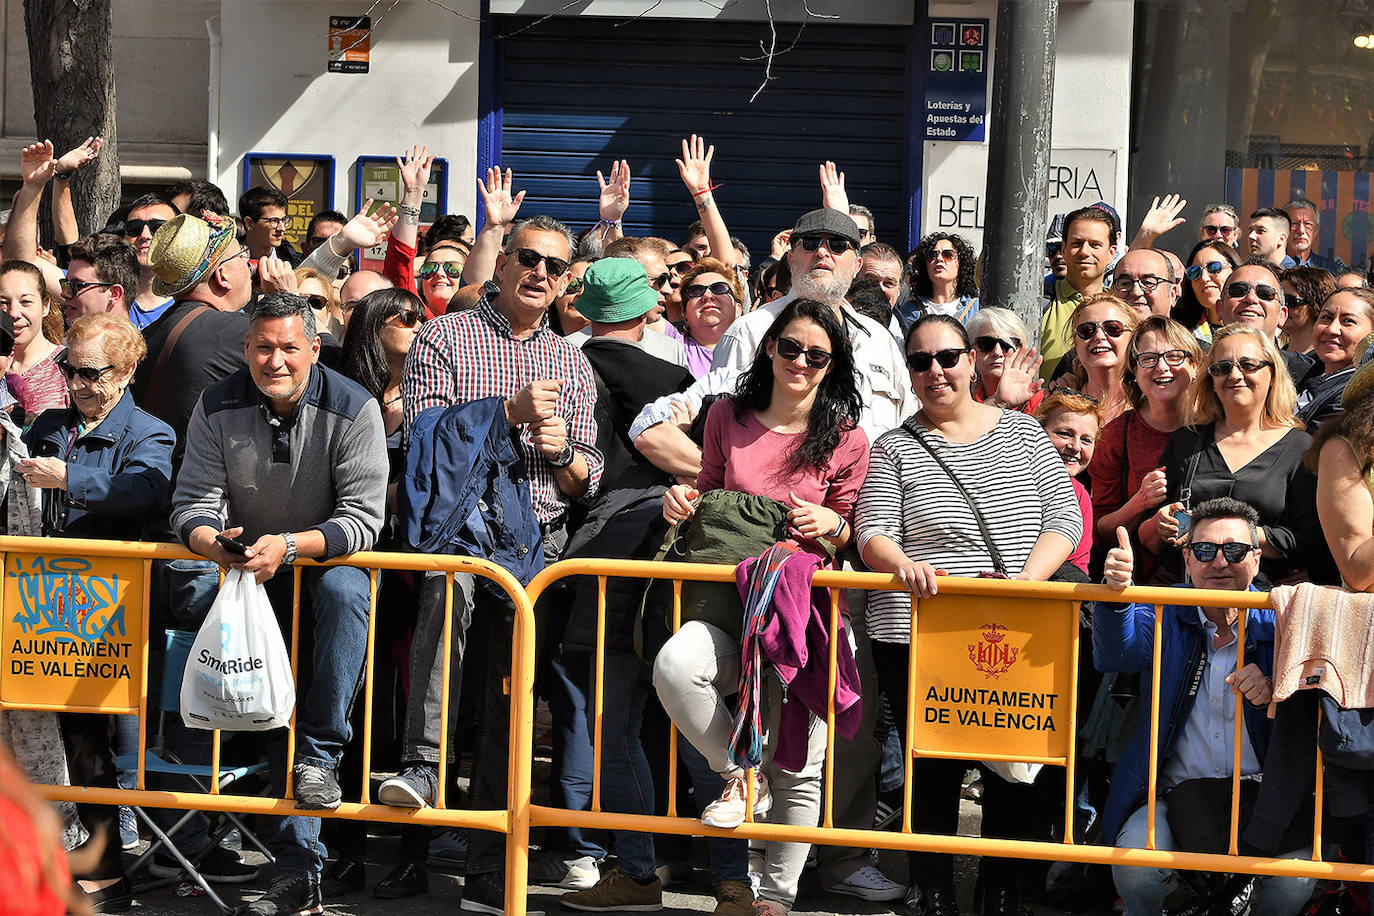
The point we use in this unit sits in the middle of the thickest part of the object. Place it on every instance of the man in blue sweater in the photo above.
(289, 458)
(1198, 683)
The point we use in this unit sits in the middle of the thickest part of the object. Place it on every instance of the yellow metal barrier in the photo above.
(61, 596)
(992, 593)
(44, 583)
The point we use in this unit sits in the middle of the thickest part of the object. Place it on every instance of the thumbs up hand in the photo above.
(1120, 561)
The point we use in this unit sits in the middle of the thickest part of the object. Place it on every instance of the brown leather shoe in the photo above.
(734, 898)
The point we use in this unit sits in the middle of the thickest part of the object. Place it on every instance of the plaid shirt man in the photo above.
(471, 355)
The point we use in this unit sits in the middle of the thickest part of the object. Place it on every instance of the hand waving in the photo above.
(415, 167)
(1163, 215)
(368, 231)
(501, 207)
(1020, 377)
(82, 155)
(36, 164)
(615, 194)
(695, 164)
(833, 194)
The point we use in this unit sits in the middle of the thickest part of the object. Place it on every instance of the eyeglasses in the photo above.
(1248, 366)
(529, 259)
(657, 282)
(241, 253)
(1052, 249)
(1304, 224)
(1212, 267)
(789, 350)
(1239, 289)
(988, 344)
(832, 244)
(276, 222)
(1172, 358)
(451, 269)
(408, 318)
(1234, 552)
(1222, 231)
(681, 267)
(574, 286)
(1147, 283)
(1294, 301)
(1112, 328)
(718, 288)
(133, 228)
(317, 301)
(943, 254)
(73, 288)
(948, 359)
(88, 374)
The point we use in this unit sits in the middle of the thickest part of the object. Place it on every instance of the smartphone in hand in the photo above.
(236, 547)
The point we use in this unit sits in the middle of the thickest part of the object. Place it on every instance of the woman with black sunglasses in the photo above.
(1006, 372)
(564, 317)
(1101, 327)
(1243, 440)
(789, 433)
(711, 298)
(994, 499)
(1304, 290)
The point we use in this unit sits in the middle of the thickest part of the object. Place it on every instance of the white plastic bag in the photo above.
(1018, 773)
(238, 675)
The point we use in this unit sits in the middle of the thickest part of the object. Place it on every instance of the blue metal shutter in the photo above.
(579, 92)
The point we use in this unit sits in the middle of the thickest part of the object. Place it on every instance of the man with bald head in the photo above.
(358, 285)
(1144, 278)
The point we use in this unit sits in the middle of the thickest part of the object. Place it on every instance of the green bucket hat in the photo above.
(615, 289)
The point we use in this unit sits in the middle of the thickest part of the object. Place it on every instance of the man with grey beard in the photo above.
(824, 258)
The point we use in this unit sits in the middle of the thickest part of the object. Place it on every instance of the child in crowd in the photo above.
(1073, 422)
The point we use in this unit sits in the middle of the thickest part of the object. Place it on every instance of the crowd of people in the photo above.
(523, 394)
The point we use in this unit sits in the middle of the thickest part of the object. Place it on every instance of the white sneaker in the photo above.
(727, 812)
(552, 870)
(868, 883)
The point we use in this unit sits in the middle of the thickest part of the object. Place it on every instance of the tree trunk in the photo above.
(72, 68)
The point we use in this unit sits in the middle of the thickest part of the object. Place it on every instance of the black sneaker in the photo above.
(220, 866)
(343, 876)
(484, 893)
(317, 789)
(417, 786)
(407, 879)
(294, 894)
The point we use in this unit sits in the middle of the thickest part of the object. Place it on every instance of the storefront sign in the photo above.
(379, 178)
(955, 187)
(306, 179)
(994, 677)
(1342, 197)
(72, 632)
(350, 43)
(957, 80)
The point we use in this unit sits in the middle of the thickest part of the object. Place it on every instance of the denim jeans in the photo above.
(420, 732)
(337, 621)
(1143, 889)
(570, 704)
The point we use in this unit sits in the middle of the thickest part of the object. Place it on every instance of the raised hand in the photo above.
(276, 275)
(781, 243)
(615, 194)
(36, 164)
(1120, 563)
(82, 155)
(695, 164)
(1020, 377)
(832, 188)
(1163, 215)
(500, 205)
(369, 231)
(415, 167)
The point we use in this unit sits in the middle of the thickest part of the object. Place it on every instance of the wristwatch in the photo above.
(290, 540)
(564, 458)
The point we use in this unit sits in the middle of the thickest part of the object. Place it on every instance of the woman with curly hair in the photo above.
(1304, 291)
(789, 433)
(942, 279)
(1208, 265)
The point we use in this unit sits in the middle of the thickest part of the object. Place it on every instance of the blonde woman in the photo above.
(1101, 328)
(1242, 441)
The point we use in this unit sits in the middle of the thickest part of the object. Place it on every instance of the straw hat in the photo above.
(184, 250)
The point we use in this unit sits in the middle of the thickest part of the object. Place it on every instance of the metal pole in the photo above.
(1019, 158)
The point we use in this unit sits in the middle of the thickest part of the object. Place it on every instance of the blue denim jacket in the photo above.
(465, 490)
(119, 475)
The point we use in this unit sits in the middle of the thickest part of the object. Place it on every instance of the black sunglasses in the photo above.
(1112, 328)
(1212, 267)
(789, 350)
(718, 288)
(574, 286)
(74, 288)
(832, 244)
(1222, 367)
(988, 344)
(1206, 551)
(948, 359)
(134, 227)
(681, 267)
(1294, 301)
(87, 373)
(317, 301)
(657, 282)
(529, 259)
(1052, 248)
(408, 318)
(1239, 289)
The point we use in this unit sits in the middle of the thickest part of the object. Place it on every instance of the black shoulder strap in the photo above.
(997, 564)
